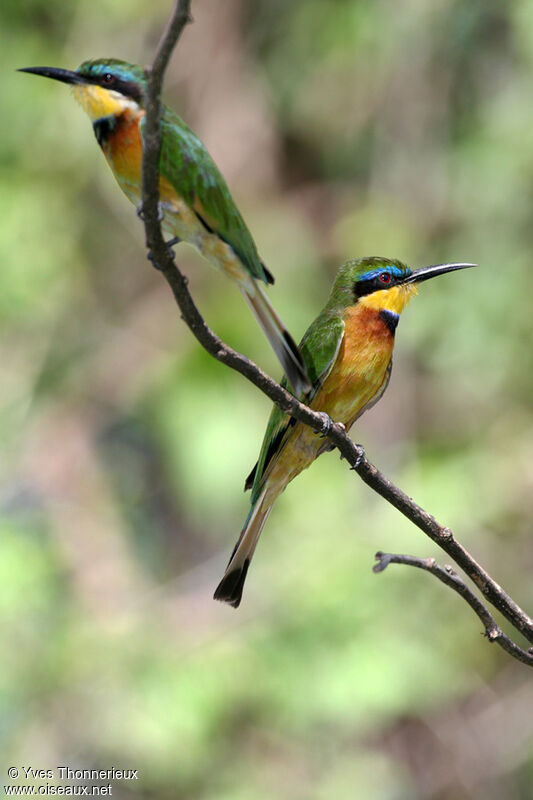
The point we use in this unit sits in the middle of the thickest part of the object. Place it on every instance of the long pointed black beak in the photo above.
(58, 74)
(425, 273)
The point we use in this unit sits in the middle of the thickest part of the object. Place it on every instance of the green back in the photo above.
(185, 162)
(319, 348)
(188, 166)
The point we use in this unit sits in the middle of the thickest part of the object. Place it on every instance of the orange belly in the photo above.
(123, 151)
(360, 368)
(359, 375)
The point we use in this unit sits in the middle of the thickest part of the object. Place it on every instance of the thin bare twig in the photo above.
(181, 15)
(448, 576)
(354, 454)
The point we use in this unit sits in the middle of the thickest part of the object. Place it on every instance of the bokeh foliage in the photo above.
(344, 128)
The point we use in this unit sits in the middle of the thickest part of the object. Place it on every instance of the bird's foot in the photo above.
(155, 263)
(327, 423)
(160, 212)
(169, 245)
(361, 456)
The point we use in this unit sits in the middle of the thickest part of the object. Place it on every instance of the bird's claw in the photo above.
(327, 423)
(360, 456)
(170, 244)
(160, 212)
(155, 263)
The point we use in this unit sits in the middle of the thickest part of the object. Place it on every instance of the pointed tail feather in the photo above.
(280, 339)
(230, 588)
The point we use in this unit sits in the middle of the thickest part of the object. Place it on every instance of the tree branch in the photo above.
(449, 577)
(162, 258)
(181, 15)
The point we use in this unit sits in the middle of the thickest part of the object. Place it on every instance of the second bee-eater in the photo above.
(348, 354)
(195, 201)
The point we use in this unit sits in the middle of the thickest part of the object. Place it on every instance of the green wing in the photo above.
(319, 348)
(185, 162)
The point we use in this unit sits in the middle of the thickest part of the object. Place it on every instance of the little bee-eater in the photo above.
(195, 201)
(348, 354)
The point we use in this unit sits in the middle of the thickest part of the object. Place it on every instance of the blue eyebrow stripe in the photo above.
(373, 273)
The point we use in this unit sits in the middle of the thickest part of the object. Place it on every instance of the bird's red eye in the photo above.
(385, 277)
(108, 78)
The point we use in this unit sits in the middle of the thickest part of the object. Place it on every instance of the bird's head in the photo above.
(105, 87)
(383, 284)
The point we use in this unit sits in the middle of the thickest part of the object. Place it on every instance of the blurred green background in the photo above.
(344, 128)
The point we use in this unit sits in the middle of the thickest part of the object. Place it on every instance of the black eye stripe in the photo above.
(127, 88)
(373, 284)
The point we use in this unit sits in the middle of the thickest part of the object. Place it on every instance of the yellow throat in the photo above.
(394, 299)
(98, 102)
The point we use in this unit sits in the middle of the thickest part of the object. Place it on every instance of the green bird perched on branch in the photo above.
(195, 202)
(348, 354)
